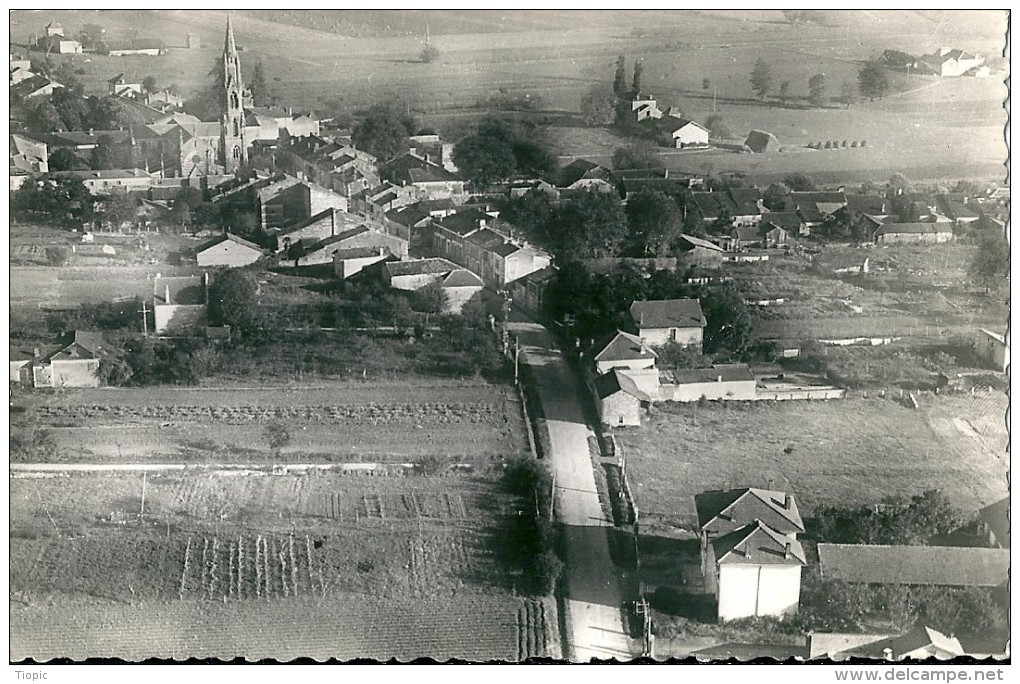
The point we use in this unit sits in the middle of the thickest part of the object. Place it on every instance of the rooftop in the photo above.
(758, 544)
(668, 313)
(419, 267)
(624, 347)
(721, 372)
(726, 510)
(926, 565)
(614, 381)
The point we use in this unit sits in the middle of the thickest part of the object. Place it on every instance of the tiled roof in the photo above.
(787, 220)
(866, 204)
(920, 637)
(928, 565)
(581, 168)
(758, 544)
(899, 228)
(698, 242)
(668, 313)
(624, 347)
(614, 381)
(419, 267)
(225, 238)
(183, 289)
(462, 278)
(722, 511)
(464, 222)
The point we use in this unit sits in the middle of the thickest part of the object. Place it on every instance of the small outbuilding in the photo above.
(620, 401)
(761, 141)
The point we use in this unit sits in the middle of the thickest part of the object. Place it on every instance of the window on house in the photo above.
(621, 420)
(236, 152)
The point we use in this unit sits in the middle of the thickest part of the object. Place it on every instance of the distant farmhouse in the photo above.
(73, 361)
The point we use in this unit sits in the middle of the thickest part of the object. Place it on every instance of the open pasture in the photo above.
(849, 452)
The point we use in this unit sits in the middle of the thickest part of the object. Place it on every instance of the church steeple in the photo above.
(234, 148)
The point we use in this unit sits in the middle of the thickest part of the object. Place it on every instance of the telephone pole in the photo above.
(141, 513)
(145, 319)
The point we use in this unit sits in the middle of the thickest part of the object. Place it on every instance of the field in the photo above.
(260, 565)
(855, 451)
(472, 424)
(929, 129)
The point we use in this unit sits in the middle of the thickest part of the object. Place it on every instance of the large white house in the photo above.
(669, 320)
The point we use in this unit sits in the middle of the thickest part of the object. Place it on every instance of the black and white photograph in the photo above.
(509, 336)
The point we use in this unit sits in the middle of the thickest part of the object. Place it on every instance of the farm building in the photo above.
(645, 107)
(33, 86)
(919, 643)
(913, 233)
(352, 260)
(623, 350)
(700, 252)
(944, 566)
(180, 304)
(139, 46)
(993, 524)
(949, 62)
(788, 222)
(20, 69)
(721, 382)
(632, 181)
(73, 361)
(430, 180)
(761, 141)
(669, 320)
(321, 226)
(306, 252)
(684, 133)
(619, 399)
(340, 167)
(482, 244)
(28, 156)
(743, 206)
(994, 349)
(459, 284)
(815, 208)
(110, 181)
(228, 250)
(755, 572)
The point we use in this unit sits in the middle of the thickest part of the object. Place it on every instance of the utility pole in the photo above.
(552, 497)
(142, 511)
(517, 356)
(642, 610)
(145, 319)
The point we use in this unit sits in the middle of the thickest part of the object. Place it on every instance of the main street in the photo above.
(592, 599)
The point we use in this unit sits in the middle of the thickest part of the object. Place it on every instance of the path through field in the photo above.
(592, 598)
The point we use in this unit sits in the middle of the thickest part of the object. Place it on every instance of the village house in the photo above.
(338, 166)
(633, 181)
(777, 227)
(918, 643)
(815, 208)
(719, 382)
(683, 133)
(699, 252)
(942, 566)
(624, 351)
(349, 261)
(180, 304)
(72, 362)
(435, 149)
(28, 156)
(950, 62)
(324, 225)
(430, 180)
(914, 233)
(20, 69)
(308, 252)
(619, 400)
(33, 86)
(669, 320)
(228, 250)
(111, 181)
(529, 292)
(993, 348)
(750, 556)
(376, 201)
(582, 174)
(960, 212)
(459, 284)
(740, 206)
(645, 107)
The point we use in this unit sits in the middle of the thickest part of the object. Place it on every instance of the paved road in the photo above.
(592, 598)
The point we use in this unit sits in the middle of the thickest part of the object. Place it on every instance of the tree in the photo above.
(784, 90)
(90, 35)
(44, 118)
(799, 182)
(233, 301)
(102, 154)
(593, 225)
(149, 84)
(816, 89)
(716, 125)
(118, 209)
(277, 436)
(57, 256)
(259, 88)
(532, 213)
(774, 197)
(382, 133)
(598, 107)
(636, 83)
(63, 159)
(873, 81)
(484, 160)
(990, 263)
(636, 157)
(706, 84)
(729, 326)
(676, 355)
(654, 222)
(429, 54)
(620, 80)
(761, 78)
(63, 201)
(431, 299)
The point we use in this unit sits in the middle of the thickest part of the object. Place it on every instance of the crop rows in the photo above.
(410, 504)
(532, 626)
(328, 415)
(221, 569)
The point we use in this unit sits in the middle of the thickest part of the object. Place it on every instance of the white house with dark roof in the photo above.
(180, 304)
(755, 572)
(626, 351)
(685, 133)
(719, 382)
(669, 320)
(73, 361)
(459, 284)
(619, 400)
(994, 349)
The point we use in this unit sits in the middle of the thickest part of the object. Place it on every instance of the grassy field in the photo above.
(849, 452)
(328, 565)
(935, 128)
(472, 423)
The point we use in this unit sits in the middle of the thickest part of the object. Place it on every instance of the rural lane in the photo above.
(592, 598)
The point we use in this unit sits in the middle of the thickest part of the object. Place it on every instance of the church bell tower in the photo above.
(233, 146)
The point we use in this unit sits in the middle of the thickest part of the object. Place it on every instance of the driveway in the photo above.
(592, 598)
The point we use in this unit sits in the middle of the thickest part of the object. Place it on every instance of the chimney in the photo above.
(787, 551)
(771, 483)
(718, 378)
(35, 353)
(166, 293)
(665, 173)
(887, 653)
(481, 223)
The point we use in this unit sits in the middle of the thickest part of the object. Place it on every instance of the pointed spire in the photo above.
(228, 45)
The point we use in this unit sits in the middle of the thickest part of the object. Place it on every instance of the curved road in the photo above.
(592, 598)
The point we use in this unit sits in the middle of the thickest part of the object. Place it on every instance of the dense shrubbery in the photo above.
(917, 520)
(530, 540)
